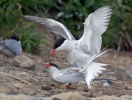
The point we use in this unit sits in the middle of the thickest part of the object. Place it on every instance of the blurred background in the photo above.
(72, 14)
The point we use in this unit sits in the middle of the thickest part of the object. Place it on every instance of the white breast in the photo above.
(77, 58)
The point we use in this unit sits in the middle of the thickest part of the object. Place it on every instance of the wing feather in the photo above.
(94, 26)
(71, 77)
(52, 26)
(14, 46)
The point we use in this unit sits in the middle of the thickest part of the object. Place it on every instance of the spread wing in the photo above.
(52, 26)
(14, 46)
(94, 26)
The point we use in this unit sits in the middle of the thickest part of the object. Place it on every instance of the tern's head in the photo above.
(52, 69)
(16, 38)
(51, 66)
(60, 44)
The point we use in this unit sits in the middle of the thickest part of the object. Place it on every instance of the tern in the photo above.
(11, 47)
(78, 51)
(68, 75)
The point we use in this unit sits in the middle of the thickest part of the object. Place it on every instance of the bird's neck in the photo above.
(70, 45)
(54, 73)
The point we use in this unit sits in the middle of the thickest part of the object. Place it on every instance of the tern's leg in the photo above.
(69, 86)
(76, 70)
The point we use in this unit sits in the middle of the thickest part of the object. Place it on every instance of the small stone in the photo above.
(110, 82)
(100, 92)
(82, 88)
(56, 98)
(46, 93)
(24, 62)
(52, 84)
(46, 88)
(106, 84)
(5, 90)
(18, 85)
(30, 91)
(129, 88)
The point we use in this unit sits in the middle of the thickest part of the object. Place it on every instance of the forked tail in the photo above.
(92, 69)
(90, 60)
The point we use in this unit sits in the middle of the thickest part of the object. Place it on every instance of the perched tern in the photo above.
(11, 47)
(78, 51)
(69, 76)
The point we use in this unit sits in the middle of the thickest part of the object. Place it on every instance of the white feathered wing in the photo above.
(94, 26)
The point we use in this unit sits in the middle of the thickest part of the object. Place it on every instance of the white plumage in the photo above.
(82, 52)
(68, 75)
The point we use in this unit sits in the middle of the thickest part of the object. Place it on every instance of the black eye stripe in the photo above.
(52, 64)
(59, 42)
(15, 38)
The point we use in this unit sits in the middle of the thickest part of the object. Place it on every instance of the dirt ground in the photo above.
(118, 75)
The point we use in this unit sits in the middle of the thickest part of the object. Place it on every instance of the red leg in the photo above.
(69, 86)
(78, 70)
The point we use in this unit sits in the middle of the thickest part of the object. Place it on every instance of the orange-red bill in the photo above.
(48, 65)
(52, 52)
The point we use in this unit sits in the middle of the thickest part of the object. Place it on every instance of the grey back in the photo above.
(14, 46)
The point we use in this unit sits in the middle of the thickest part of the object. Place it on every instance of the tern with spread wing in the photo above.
(11, 47)
(68, 75)
(78, 51)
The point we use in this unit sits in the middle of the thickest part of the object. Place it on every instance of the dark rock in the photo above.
(56, 98)
(46, 88)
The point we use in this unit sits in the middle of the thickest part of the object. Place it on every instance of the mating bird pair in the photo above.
(80, 53)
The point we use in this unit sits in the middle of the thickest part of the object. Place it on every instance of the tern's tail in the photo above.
(92, 71)
(90, 60)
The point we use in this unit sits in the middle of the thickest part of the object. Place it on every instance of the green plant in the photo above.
(71, 13)
(12, 23)
(30, 38)
(10, 10)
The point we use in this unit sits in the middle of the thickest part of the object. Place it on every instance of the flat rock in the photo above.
(24, 62)
(124, 97)
(66, 96)
(61, 96)
(17, 97)
(4, 90)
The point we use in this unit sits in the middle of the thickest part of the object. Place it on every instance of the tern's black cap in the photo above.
(52, 64)
(59, 42)
(15, 38)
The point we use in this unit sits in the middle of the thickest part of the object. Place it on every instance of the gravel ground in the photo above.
(38, 83)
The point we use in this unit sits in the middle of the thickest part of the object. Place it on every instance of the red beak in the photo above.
(52, 52)
(48, 65)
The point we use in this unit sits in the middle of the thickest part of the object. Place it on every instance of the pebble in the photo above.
(18, 85)
(46, 88)
(24, 62)
(106, 84)
(4, 90)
